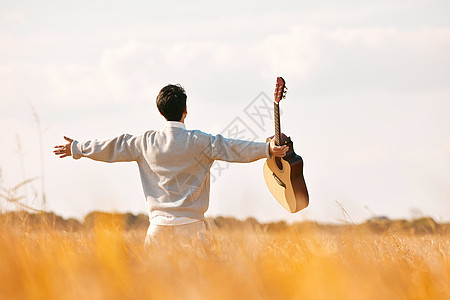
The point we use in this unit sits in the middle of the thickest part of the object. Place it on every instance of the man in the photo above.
(174, 164)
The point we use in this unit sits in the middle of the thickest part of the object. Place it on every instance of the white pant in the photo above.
(184, 235)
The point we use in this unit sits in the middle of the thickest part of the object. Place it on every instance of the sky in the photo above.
(367, 108)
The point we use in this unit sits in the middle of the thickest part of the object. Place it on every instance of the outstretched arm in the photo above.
(122, 148)
(234, 150)
(64, 150)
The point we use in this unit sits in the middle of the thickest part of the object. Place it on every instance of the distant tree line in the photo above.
(129, 221)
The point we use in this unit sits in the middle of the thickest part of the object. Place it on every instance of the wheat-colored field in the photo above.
(109, 261)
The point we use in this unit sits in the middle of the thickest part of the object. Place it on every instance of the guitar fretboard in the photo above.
(276, 110)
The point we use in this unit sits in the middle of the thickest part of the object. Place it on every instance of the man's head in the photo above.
(171, 102)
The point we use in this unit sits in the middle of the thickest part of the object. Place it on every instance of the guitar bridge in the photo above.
(278, 180)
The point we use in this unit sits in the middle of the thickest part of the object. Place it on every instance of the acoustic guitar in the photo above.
(284, 176)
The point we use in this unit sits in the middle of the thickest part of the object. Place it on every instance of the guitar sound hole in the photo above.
(279, 164)
(278, 180)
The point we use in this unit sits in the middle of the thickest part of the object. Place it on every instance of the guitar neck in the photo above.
(277, 123)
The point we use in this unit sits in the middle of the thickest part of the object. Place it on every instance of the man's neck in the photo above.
(172, 124)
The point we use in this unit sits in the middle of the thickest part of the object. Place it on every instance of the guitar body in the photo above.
(284, 178)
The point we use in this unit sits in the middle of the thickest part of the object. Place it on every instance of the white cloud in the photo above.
(15, 18)
(322, 60)
(363, 59)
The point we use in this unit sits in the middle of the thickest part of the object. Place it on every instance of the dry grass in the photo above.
(109, 262)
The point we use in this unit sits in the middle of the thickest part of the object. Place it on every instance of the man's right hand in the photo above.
(64, 150)
(278, 151)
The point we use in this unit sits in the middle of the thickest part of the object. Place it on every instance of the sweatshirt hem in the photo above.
(188, 214)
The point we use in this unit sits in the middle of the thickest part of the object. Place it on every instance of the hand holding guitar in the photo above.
(64, 150)
(277, 151)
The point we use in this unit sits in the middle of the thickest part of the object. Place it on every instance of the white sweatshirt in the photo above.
(174, 164)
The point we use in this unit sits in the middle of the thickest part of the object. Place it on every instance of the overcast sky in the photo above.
(368, 103)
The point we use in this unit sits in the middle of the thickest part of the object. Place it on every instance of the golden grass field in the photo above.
(108, 261)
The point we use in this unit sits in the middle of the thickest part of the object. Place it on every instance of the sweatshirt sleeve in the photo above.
(232, 150)
(122, 148)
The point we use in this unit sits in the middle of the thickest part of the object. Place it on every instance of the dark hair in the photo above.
(171, 102)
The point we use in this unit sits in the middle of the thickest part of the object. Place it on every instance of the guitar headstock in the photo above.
(280, 90)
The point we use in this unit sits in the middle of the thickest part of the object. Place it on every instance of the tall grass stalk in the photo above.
(37, 121)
